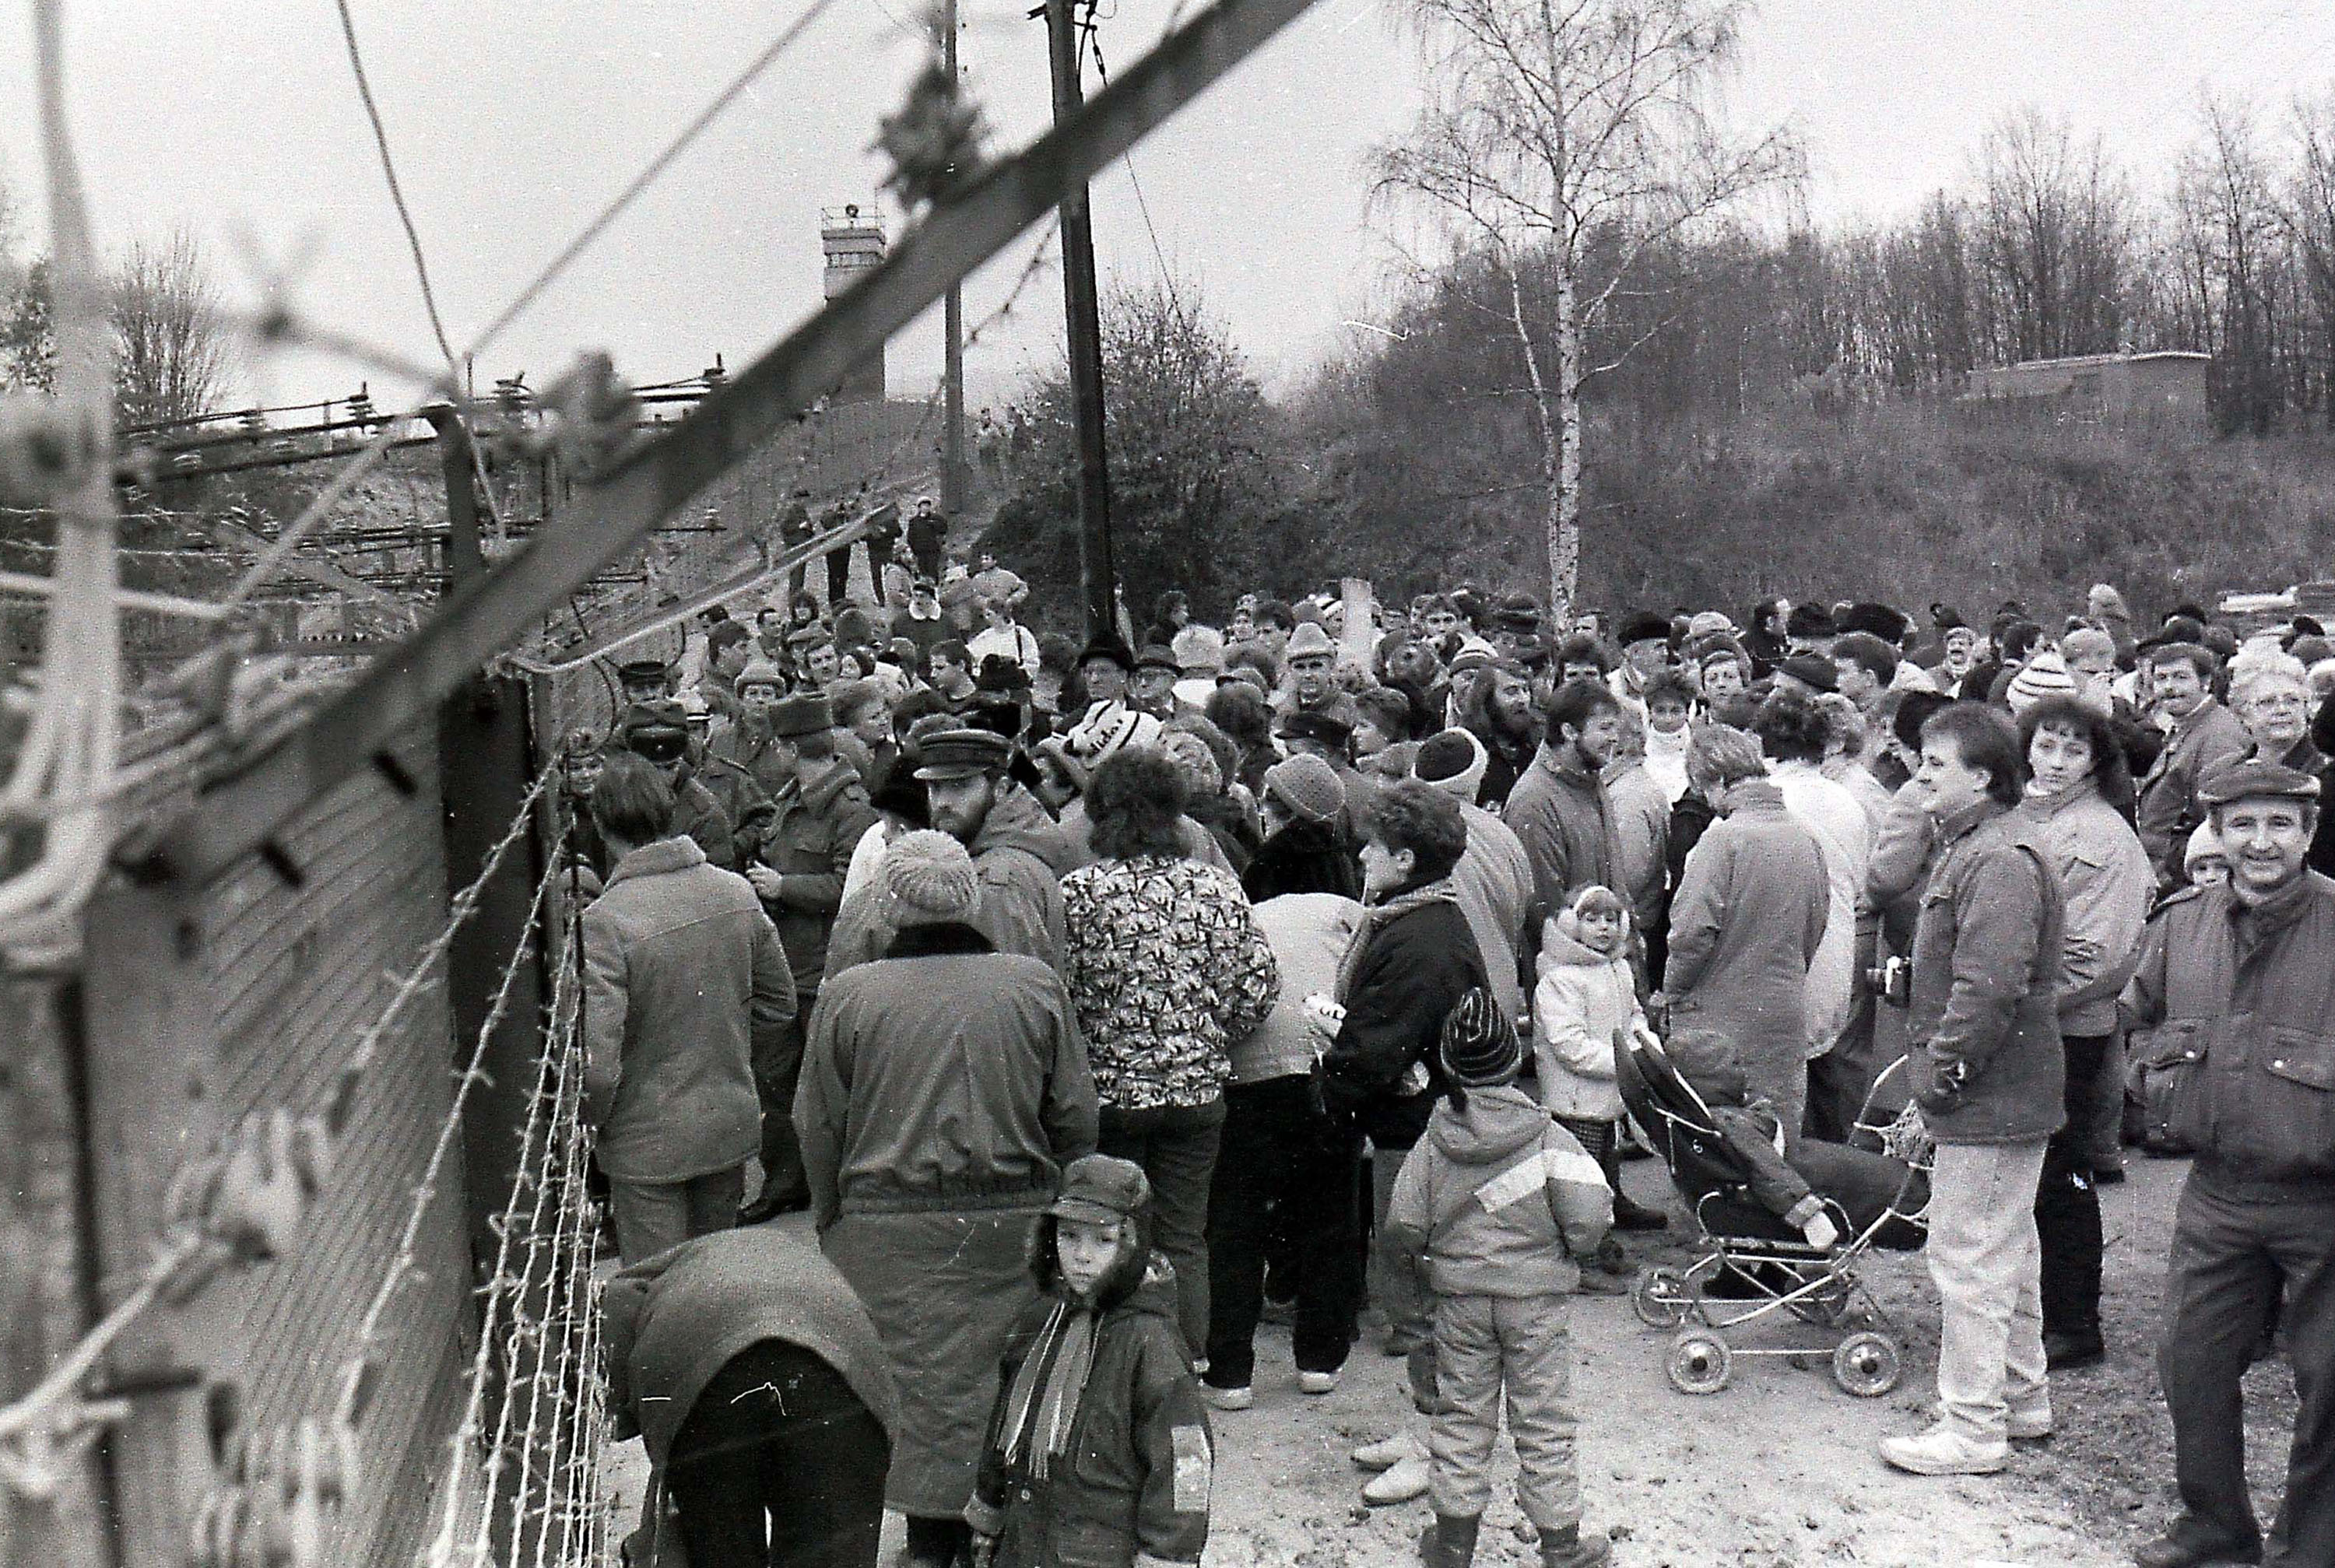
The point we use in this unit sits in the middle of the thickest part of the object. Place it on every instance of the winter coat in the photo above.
(1641, 815)
(2105, 884)
(698, 815)
(2201, 744)
(1561, 815)
(1987, 955)
(1304, 857)
(2305, 756)
(1417, 960)
(945, 1076)
(2236, 1005)
(1583, 1000)
(809, 843)
(1165, 967)
(670, 1322)
(684, 985)
(1494, 884)
(1843, 831)
(1130, 1488)
(1309, 934)
(745, 804)
(1748, 916)
(1498, 1199)
(1018, 854)
(1904, 849)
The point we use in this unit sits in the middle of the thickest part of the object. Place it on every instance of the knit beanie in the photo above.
(1308, 786)
(927, 880)
(1479, 1045)
(1108, 727)
(1454, 763)
(2044, 675)
(1203, 781)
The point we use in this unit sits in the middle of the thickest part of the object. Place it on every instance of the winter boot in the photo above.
(1574, 1547)
(1449, 1543)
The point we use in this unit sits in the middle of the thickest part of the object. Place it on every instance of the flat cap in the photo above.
(1318, 727)
(1645, 626)
(1810, 669)
(643, 670)
(961, 753)
(1878, 620)
(1156, 657)
(2256, 780)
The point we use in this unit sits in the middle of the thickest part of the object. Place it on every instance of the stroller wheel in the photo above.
(1867, 1365)
(1660, 1298)
(1698, 1363)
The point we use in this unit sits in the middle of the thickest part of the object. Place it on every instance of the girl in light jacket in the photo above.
(1585, 996)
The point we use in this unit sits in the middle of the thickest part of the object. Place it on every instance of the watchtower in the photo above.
(853, 238)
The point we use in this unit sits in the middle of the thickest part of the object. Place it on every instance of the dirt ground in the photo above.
(1777, 1470)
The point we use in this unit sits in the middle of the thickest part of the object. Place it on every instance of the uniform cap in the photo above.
(963, 753)
(1156, 657)
(1101, 1189)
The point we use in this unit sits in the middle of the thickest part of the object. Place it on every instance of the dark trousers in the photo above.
(776, 1074)
(2234, 1249)
(1281, 1166)
(838, 574)
(1175, 1145)
(779, 1463)
(2066, 1205)
(928, 561)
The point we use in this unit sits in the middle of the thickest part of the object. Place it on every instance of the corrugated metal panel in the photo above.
(297, 974)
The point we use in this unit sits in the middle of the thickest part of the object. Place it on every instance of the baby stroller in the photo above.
(1762, 1267)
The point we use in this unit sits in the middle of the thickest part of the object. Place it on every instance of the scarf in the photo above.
(1377, 917)
(1043, 1404)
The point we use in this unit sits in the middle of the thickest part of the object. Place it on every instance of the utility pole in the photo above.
(1098, 575)
(953, 352)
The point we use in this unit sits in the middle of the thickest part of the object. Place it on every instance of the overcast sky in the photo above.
(513, 122)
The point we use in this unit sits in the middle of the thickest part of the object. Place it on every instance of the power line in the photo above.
(396, 191)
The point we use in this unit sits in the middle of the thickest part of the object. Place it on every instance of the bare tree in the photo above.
(1577, 134)
(174, 356)
(2310, 213)
(2055, 239)
(2228, 221)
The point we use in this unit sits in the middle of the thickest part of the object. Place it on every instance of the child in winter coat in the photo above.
(1587, 995)
(1099, 1452)
(1499, 1200)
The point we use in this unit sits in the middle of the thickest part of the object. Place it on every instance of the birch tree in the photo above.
(1575, 135)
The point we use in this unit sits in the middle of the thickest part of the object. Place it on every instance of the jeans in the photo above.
(2234, 1248)
(1491, 1350)
(1282, 1165)
(1175, 1145)
(651, 1218)
(2066, 1205)
(1395, 1284)
(778, 1463)
(1987, 1263)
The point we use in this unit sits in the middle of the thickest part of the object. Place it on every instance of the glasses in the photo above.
(2278, 700)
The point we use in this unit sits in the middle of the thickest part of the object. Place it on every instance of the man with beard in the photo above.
(822, 811)
(1558, 808)
(1645, 654)
(1018, 849)
(2234, 992)
(1499, 714)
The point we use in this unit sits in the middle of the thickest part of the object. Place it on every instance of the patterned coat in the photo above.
(1166, 967)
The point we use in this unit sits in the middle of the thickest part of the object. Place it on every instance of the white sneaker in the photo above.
(1404, 1481)
(1388, 1452)
(1316, 1382)
(1943, 1451)
(1239, 1399)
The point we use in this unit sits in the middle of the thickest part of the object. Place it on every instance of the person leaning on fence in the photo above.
(1498, 1202)
(684, 985)
(755, 1381)
(2233, 1007)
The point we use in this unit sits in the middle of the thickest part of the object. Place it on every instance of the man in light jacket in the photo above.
(684, 984)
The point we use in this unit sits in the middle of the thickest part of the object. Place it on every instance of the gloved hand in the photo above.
(1820, 1231)
(1941, 1083)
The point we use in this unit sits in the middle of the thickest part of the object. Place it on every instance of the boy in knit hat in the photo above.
(1498, 1201)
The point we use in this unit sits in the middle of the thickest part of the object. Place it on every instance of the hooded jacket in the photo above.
(1130, 1489)
(1498, 1199)
(1418, 959)
(1583, 998)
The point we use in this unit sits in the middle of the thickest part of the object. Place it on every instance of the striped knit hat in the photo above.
(1480, 1045)
(2044, 675)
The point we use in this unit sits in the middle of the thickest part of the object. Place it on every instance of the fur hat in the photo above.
(928, 879)
(1454, 763)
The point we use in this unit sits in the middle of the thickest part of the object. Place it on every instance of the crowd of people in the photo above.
(1096, 1001)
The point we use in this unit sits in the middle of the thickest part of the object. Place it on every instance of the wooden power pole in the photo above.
(1098, 574)
(953, 350)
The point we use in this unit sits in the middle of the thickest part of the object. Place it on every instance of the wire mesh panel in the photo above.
(298, 973)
